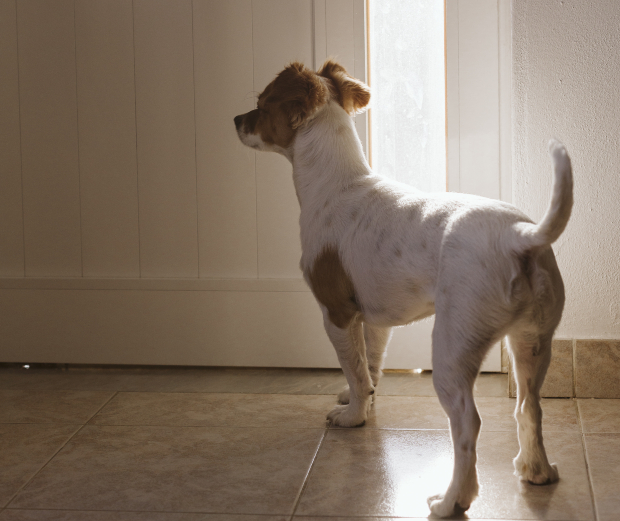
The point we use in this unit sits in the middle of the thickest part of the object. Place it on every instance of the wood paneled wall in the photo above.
(118, 154)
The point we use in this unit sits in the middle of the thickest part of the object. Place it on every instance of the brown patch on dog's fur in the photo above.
(333, 287)
(352, 94)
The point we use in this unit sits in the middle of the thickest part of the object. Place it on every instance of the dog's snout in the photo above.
(238, 121)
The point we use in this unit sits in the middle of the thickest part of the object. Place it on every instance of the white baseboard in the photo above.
(197, 322)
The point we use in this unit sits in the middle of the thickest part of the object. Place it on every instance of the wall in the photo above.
(134, 226)
(120, 157)
(565, 84)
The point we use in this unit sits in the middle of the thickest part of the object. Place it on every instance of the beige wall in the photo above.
(566, 74)
(134, 226)
(118, 153)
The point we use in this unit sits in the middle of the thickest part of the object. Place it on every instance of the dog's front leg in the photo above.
(376, 339)
(350, 348)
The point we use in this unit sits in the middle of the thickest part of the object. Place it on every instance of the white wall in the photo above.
(566, 73)
(126, 198)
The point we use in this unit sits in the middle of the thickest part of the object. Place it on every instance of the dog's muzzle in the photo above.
(238, 121)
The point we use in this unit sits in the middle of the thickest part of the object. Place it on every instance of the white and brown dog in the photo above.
(379, 254)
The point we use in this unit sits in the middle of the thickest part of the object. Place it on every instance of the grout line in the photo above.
(305, 482)
(590, 486)
(585, 454)
(6, 506)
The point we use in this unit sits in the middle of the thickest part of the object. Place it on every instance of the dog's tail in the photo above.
(553, 223)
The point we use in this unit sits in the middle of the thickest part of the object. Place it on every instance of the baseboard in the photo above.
(193, 322)
(580, 368)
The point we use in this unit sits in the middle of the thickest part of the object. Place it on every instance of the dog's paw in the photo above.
(344, 396)
(537, 474)
(441, 507)
(347, 416)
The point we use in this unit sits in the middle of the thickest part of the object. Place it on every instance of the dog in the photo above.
(378, 254)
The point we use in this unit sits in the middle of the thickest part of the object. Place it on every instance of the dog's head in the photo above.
(293, 99)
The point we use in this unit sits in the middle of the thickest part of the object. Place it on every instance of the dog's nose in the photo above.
(238, 120)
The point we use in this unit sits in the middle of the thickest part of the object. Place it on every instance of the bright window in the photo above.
(407, 78)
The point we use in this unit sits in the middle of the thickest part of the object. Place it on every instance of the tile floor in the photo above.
(120, 444)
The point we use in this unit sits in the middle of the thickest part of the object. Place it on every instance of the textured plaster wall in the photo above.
(566, 83)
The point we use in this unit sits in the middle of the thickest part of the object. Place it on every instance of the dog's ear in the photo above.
(305, 92)
(353, 95)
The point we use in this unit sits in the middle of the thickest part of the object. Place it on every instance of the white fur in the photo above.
(480, 265)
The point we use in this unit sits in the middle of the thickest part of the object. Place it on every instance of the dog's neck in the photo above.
(327, 155)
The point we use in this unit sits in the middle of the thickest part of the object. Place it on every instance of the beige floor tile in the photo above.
(390, 473)
(498, 414)
(175, 469)
(92, 379)
(412, 384)
(152, 379)
(371, 472)
(503, 496)
(603, 452)
(77, 378)
(71, 515)
(600, 415)
(406, 384)
(216, 410)
(277, 381)
(383, 518)
(225, 380)
(24, 449)
(50, 406)
(406, 412)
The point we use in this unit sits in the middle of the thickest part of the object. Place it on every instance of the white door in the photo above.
(407, 51)
(149, 234)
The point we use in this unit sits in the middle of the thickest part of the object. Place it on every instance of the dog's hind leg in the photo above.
(349, 345)
(531, 355)
(376, 339)
(457, 355)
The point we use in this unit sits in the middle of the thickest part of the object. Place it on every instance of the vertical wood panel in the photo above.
(11, 223)
(360, 63)
(341, 33)
(50, 169)
(282, 33)
(479, 98)
(279, 246)
(166, 138)
(345, 26)
(505, 98)
(452, 96)
(226, 168)
(107, 130)
(320, 32)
